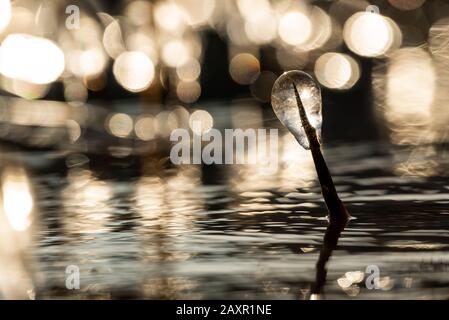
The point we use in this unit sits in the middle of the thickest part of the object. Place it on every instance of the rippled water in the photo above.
(234, 232)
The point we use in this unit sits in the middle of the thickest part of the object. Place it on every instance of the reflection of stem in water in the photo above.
(329, 244)
(338, 215)
(337, 210)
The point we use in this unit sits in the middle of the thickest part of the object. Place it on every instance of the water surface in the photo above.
(234, 232)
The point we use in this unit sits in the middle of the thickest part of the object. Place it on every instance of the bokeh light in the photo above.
(74, 130)
(120, 125)
(88, 35)
(234, 27)
(87, 63)
(295, 28)
(439, 39)
(32, 59)
(17, 199)
(134, 71)
(261, 27)
(322, 29)
(175, 53)
(410, 82)
(169, 17)
(96, 83)
(439, 48)
(188, 91)
(139, 12)
(75, 93)
(371, 34)
(249, 7)
(113, 40)
(165, 122)
(337, 70)
(25, 89)
(145, 127)
(204, 121)
(196, 12)
(244, 68)
(181, 115)
(5, 13)
(143, 42)
(189, 71)
(410, 92)
(41, 113)
(89, 110)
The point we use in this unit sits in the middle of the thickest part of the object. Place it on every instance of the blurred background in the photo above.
(134, 70)
(91, 90)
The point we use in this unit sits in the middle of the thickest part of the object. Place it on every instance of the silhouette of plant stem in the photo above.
(335, 207)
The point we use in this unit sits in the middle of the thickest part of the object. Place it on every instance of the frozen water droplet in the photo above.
(285, 105)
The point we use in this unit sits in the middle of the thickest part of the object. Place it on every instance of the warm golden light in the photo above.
(410, 92)
(134, 71)
(86, 200)
(32, 59)
(438, 40)
(234, 27)
(75, 93)
(5, 13)
(143, 42)
(439, 48)
(295, 28)
(321, 29)
(169, 17)
(371, 34)
(145, 128)
(139, 12)
(39, 113)
(292, 158)
(175, 53)
(25, 89)
(244, 68)
(249, 7)
(87, 63)
(261, 27)
(189, 71)
(203, 119)
(120, 125)
(16, 234)
(410, 69)
(74, 130)
(181, 115)
(165, 123)
(196, 12)
(337, 70)
(188, 91)
(17, 199)
(113, 39)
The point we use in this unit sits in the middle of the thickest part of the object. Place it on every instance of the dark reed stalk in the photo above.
(335, 207)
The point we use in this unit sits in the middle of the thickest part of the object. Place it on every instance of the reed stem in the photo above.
(335, 207)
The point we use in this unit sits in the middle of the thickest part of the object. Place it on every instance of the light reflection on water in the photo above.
(171, 234)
